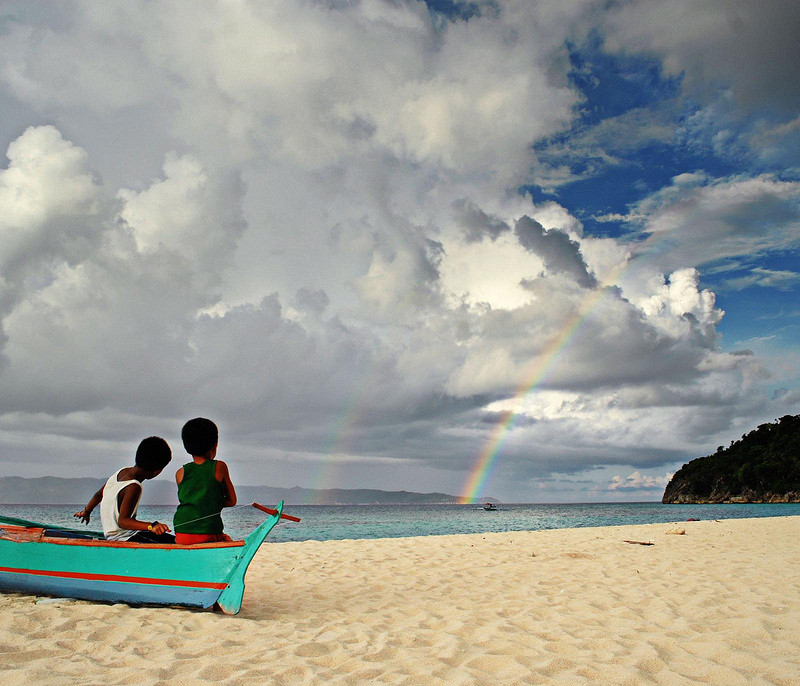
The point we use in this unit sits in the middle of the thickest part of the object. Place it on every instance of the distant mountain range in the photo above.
(52, 490)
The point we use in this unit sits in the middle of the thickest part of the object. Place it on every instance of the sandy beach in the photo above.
(718, 604)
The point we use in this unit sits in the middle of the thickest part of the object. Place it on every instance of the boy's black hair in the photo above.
(200, 435)
(153, 454)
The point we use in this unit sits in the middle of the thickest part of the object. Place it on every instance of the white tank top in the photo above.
(109, 508)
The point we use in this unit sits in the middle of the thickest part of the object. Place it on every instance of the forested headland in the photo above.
(762, 467)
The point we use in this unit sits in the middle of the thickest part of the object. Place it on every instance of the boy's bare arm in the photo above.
(85, 514)
(130, 495)
(221, 474)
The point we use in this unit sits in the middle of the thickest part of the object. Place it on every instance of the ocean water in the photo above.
(333, 522)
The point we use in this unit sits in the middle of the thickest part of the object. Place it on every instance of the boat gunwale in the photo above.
(102, 543)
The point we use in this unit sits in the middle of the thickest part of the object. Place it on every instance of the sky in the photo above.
(545, 252)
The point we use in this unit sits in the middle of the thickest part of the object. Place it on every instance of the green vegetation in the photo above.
(763, 466)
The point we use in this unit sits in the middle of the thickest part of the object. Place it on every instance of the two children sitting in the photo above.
(204, 488)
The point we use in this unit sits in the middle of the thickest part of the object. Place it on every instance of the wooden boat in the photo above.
(70, 563)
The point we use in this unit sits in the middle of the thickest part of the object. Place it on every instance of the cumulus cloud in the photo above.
(49, 213)
(639, 482)
(685, 304)
(696, 220)
(140, 329)
(48, 201)
(186, 213)
(297, 219)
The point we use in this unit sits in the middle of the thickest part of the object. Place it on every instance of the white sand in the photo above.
(720, 604)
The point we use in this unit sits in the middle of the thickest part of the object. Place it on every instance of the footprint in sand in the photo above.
(312, 649)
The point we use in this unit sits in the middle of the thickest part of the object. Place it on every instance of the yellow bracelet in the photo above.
(149, 527)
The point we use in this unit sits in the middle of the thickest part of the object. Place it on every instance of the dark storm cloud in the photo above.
(560, 254)
(315, 301)
(751, 47)
(476, 223)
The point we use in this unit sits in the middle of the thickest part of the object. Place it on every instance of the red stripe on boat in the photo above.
(113, 577)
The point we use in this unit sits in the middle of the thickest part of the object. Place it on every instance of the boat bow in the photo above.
(230, 601)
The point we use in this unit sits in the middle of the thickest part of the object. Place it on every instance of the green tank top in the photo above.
(199, 495)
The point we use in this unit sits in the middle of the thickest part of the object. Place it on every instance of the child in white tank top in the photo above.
(119, 498)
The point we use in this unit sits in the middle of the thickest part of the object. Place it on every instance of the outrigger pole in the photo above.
(269, 510)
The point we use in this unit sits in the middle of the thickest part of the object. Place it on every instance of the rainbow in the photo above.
(534, 376)
(334, 445)
(339, 436)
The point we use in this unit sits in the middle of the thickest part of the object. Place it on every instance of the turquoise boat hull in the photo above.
(51, 562)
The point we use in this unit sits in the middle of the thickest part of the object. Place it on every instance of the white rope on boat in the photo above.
(235, 507)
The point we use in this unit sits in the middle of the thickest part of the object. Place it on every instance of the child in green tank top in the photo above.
(204, 486)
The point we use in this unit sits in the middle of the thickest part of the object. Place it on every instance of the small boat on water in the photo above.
(71, 563)
(490, 507)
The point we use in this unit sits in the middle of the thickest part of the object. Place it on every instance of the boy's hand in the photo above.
(83, 515)
(159, 528)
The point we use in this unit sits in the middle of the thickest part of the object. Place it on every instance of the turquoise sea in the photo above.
(327, 522)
